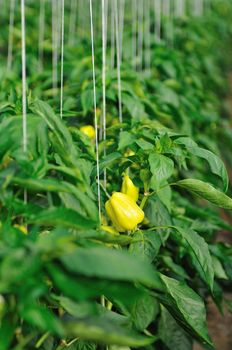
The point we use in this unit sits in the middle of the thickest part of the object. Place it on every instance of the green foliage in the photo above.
(65, 281)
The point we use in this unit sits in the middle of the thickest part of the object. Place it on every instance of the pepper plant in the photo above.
(138, 275)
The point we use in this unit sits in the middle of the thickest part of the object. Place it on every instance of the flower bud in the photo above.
(129, 188)
(109, 229)
(124, 213)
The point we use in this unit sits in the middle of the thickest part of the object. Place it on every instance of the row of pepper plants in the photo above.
(139, 276)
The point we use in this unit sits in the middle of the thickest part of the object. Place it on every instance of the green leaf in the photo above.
(216, 164)
(53, 185)
(145, 245)
(207, 192)
(198, 249)
(218, 268)
(133, 105)
(99, 329)
(145, 145)
(86, 309)
(161, 167)
(186, 307)
(81, 288)
(56, 125)
(111, 264)
(171, 334)
(177, 269)
(108, 160)
(42, 318)
(87, 100)
(83, 345)
(125, 140)
(158, 215)
(7, 330)
(63, 217)
(144, 311)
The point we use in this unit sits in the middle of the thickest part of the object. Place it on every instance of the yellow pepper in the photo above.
(124, 213)
(88, 130)
(21, 228)
(129, 188)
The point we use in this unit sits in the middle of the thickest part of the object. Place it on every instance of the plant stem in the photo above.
(103, 188)
(41, 340)
(144, 201)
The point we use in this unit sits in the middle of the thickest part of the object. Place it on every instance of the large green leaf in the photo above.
(198, 249)
(161, 168)
(111, 264)
(216, 164)
(146, 245)
(99, 329)
(171, 334)
(42, 318)
(144, 311)
(54, 122)
(81, 288)
(63, 217)
(186, 307)
(206, 191)
(158, 215)
(125, 139)
(7, 330)
(54, 185)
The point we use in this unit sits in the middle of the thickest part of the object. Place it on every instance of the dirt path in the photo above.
(220, 327)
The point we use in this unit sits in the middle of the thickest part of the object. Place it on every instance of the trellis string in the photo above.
(134, 32)
(24, 82)
(54, 43)
(41, 33)
(147, 38)
(11, 35)
(118, 61)
(121, 25)
(72, 21)
(157, 11)
(62, 60)
(140, 34)
(104, 29)
(112, 39)
(95, 108)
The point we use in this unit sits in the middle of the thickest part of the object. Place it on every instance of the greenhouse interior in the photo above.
(116, 174)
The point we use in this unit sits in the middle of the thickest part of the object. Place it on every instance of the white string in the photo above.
(118, 61)
(54, 43)
(198, 7)
(24, 81)
(11, 35)
(41, 33)
(112, 40)
(140, 34)
(121, 25)
(147, 37)
(104, 14)
(166, 8)
(95, 109)
(170, 26)
(62, 60)
(134, 32)
(72, 21)
(157, 9)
